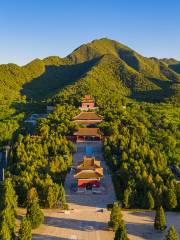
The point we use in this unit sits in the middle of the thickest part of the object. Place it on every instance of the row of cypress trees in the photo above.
(8, 214)
(160, 224)
(116, 223)
(8, 211)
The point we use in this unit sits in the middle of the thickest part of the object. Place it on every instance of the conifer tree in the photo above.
(124, 156)
(121, 233)
(8, 206)
(116, 220)
(150, 201)
(126, 197)
(160, 219)
(34, 215)
(62, 196)
(172, 234)
(4, 231)
(52, 195)
(171, 200)
(25, 230)
(32, 196)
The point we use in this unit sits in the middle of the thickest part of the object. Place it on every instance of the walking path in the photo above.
(88, 216)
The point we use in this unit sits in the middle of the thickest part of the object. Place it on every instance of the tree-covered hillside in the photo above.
(44, 78)
(138, 98)
(102, 66)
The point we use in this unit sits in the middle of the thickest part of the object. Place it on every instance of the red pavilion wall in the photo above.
(88, 105)
(83, 182)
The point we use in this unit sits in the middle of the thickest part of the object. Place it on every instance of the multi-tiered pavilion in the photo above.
(88, 120)
(88, 174)
(87, 103)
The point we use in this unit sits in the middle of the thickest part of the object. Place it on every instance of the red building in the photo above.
(87, 103)
(88, 173)
(88, 134)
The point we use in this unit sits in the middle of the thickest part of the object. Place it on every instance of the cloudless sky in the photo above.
(39, 28)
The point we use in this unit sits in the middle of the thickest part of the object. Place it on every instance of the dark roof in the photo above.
(88, 116)
(88, 174)
(89, 163)
(88, 132)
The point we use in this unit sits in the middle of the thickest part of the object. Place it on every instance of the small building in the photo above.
(88, 173)
(88, 134)
(87, 103)
(50, 108)
(88, 118)
(34, 118)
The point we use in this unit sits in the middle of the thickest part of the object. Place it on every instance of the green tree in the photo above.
(150, 201)
(25, 230)
(35, 215)
(124, 156)
(8, 207)
(62, 196)
(170, 200)
(126, 198)
(116, 220)
(121, 233)
(172, 234)
(32, 196)
(53, 195)
(160, 219)
(4, 231)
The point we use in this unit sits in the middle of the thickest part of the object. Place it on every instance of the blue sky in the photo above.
(41, 28)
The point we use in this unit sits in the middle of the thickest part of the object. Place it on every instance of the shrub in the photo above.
(35, 215)
(25, 230)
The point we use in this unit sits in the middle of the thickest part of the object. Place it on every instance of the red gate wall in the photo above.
(84, 182)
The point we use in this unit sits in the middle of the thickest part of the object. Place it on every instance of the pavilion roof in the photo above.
(88, 132)
(90, 116)
(88, 174)
(89, 163)
(89, 168)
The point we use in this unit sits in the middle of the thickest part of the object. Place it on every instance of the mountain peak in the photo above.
(95, 49)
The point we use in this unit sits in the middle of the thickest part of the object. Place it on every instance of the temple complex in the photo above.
(88, 120)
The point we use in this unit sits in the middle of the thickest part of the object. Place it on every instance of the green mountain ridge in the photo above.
(98, 48)
(144, 78)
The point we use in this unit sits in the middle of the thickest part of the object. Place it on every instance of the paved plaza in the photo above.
(88, 217)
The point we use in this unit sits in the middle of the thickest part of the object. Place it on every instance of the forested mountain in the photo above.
(138, 98)
(144, 78)
(101, 67)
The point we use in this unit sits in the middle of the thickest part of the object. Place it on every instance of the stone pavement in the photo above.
(88, 217)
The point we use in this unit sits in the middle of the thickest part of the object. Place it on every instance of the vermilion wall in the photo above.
(82, 183)
(88, 105)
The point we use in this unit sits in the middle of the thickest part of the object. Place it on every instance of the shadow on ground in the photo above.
(68, 223)
(45, 237)
(99, 200)
(148, 233)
